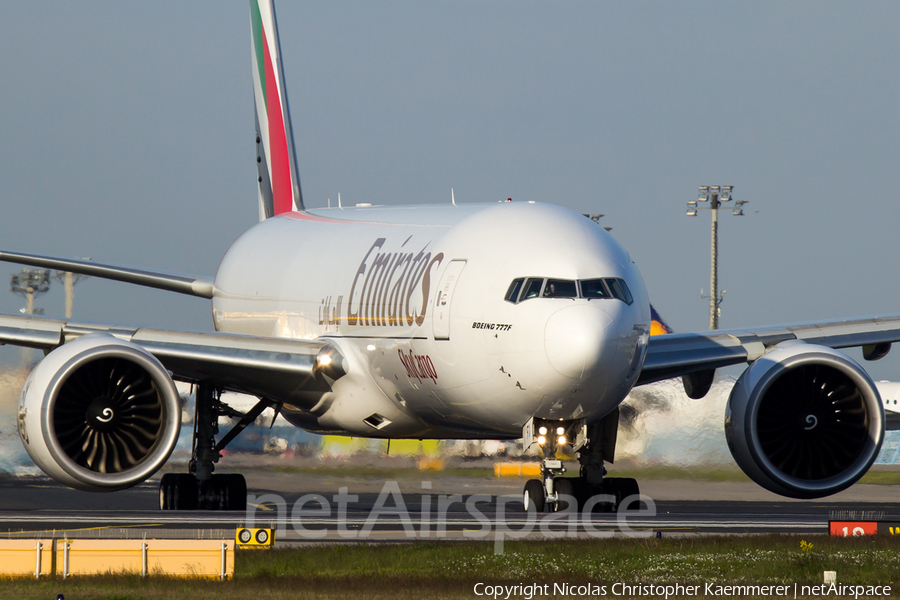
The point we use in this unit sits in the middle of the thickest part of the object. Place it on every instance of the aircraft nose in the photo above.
(575, 337)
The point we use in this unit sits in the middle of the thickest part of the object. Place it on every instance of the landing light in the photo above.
(329, 362)
(542, 440)
(542, 430)
(370, 347)
(560, 430)
(561, 440)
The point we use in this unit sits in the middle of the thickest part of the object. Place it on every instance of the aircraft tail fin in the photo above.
(657, 325)
(279, 183)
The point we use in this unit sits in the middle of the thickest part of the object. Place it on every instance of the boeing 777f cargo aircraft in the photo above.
(475, 321)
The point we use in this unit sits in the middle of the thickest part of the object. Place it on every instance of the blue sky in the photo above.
(127, 136)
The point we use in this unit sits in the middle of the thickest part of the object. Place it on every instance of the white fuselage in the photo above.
(890, 395)
(414, 299)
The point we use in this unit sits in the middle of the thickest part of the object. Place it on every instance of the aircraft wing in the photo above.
(268, 367)
(183, 284)
(676, 354)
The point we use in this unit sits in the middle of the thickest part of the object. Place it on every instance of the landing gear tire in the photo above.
(565, 492)
(181, 491)
(628, 487)
(587, 495)
(178, 491)
(237, 493)
(230, 492)
(622, 488)
(583, 491)
(224, 492)
(534, 495)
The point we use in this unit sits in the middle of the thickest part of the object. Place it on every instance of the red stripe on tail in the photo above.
(282, 194)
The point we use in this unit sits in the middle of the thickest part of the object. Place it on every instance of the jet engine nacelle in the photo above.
(99, 414)
(804, 421)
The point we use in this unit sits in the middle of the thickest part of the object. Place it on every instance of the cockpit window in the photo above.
(593, 288)
(560, 288)
(512, 294)
(537, 287)
(620, 290)
(532, 288)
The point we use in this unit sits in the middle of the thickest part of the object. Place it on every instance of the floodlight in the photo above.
(717, 196)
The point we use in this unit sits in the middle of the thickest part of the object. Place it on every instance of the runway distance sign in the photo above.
(853, 528)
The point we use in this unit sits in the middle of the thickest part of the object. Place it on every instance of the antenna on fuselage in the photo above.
(329, 203)
(339, 200)
(452, 198)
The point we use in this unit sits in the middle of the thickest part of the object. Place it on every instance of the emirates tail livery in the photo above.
(472, 321)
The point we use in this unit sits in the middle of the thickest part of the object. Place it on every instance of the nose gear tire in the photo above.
(534, 495)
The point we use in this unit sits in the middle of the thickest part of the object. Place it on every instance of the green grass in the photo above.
(881, 477)
(451, 569)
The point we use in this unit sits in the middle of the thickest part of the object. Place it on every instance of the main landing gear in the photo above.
(594, 444)
(200, 488)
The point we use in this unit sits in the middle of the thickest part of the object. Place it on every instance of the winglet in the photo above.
(279, 184)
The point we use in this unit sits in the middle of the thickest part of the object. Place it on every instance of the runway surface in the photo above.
(332, 508)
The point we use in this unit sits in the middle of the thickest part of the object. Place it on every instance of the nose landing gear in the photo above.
(594, 444)
(550, 492)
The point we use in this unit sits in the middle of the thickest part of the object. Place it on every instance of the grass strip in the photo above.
(451, 569)
(881, 477)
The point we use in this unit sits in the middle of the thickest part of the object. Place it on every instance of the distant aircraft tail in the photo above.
(657, 325)
(279, 184)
